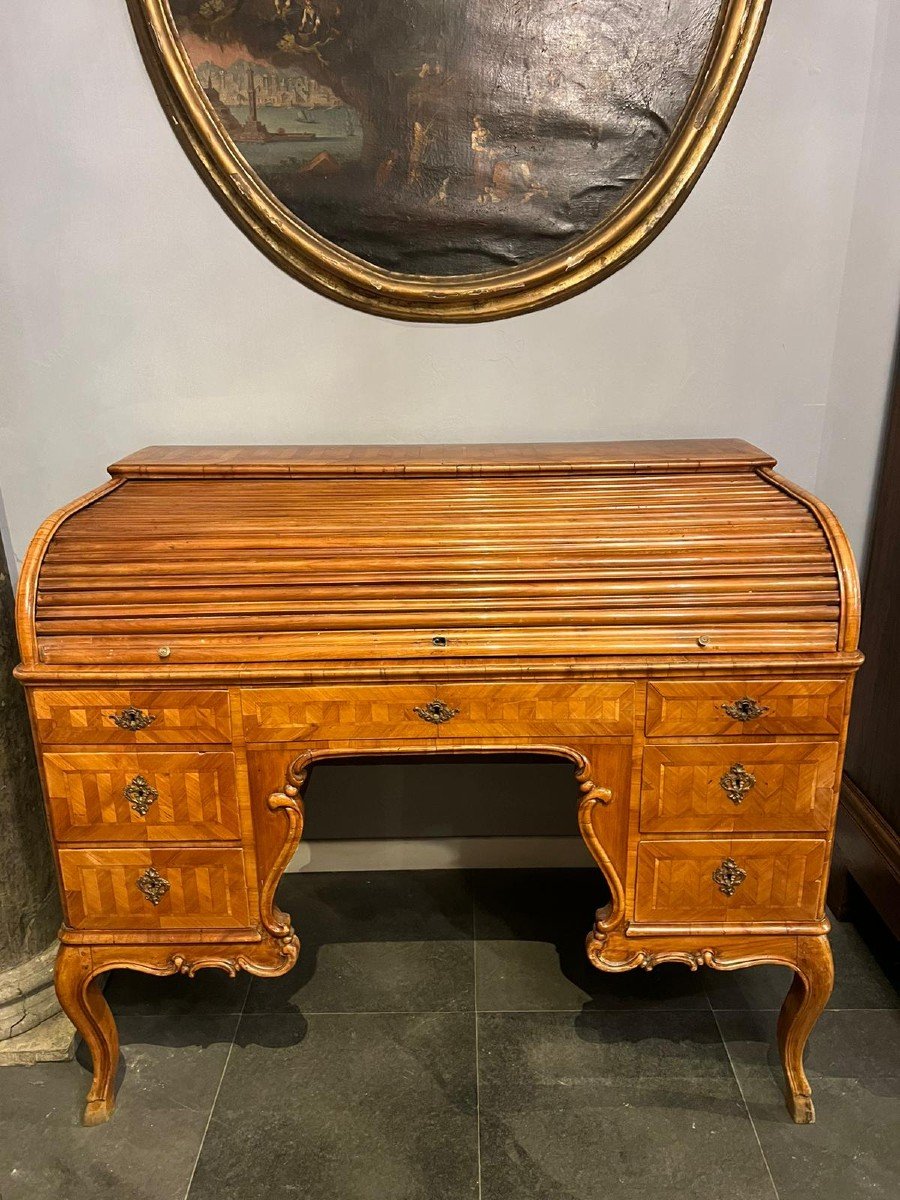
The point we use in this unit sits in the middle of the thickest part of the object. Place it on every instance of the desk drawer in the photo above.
(131, 717)
(756, 787)
(792, 706)
(193, 889)
(424, 711)
(142, 796)
(769, 879)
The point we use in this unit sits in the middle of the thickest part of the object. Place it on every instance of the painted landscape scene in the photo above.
(448, 137)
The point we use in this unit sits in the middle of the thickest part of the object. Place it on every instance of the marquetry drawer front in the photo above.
(423, 711)
(730, 880)
(147, 796)
(154, 889)
(751, 788)
(745, 707)
(131, 717)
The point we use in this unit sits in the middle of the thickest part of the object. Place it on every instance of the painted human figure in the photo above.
(483, 155)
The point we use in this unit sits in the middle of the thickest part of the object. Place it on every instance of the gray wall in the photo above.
(135, 312)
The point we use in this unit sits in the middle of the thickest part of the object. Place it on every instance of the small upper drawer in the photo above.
(142, 796)
(425, 711)
(198, 888)
(130, 717)
(745, 707)
(730, 880)
(752, 788)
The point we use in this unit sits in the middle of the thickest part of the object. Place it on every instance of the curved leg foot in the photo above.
(803, 1005)
(83, 1003)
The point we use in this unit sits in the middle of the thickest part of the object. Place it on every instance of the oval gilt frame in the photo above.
(342, 276)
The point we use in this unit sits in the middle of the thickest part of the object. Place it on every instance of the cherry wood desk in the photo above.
(672, 618)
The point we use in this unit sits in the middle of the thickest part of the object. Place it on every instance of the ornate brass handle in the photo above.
(737, 782)
(728, 877)
(140, 794)
(436, 712)
(132, 718)
(744, 709)
(153, 886)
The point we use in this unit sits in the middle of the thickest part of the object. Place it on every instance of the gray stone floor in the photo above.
(443, 1038)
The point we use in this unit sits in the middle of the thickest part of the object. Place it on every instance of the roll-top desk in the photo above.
(673, 618)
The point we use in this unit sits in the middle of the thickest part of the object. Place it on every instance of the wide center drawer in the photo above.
(154, 889)
(131, 717)
(371, 712)
(730, 880)
(745, 707)
(142, 796)
(754, 787)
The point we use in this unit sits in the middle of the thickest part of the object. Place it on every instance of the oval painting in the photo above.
(449, 159)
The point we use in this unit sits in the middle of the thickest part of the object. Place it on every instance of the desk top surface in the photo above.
(514, 457)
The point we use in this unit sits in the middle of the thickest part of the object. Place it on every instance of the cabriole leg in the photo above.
(83, 1003)
(803, 1005)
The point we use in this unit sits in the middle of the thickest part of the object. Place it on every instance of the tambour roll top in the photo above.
(201, 556)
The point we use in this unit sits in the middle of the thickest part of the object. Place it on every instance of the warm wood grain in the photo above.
(794, 706)
(86, 718)
(276, 607)
(784, 880)
(195, 797)
(794, 787)
(709, 454)
(206, 888)
(505, 710)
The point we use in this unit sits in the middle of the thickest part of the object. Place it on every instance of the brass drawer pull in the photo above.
(132, 718)
(140, 794)
(436, 712)
(153, 886)
(737, 782)
(728, 877)
(744, 709)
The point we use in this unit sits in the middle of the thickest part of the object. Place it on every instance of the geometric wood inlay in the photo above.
(784, 880)
(794, 706)
(372, 712)
(206, 889)
(195, 801)
(83, 717)
(794, 787)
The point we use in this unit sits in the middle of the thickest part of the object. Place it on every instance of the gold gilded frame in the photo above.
(342, 276)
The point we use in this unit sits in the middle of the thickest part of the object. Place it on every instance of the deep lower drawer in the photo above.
(423, 711)
(154, 889)
(745, 707)
(756, 787)
(730, 880)
(142, 796)
(132, 717)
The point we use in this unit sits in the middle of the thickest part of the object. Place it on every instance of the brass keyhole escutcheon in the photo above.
(140, 795)
(153, 885)
(132, 718)
(728, 877)
(737, 782)
(744, 709)
(436, 712)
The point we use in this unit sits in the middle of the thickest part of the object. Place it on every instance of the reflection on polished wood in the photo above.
(603, 604)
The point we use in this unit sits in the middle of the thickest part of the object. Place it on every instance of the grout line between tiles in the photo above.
(215, 1098)
(746, 1105)
(477, 1051)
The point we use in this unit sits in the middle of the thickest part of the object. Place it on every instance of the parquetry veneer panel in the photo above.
(784, 880)
(538, 710)
(789, 706)
(79, 717)
(788, 786)
(203, 630)
(177, 797)
(206, 889)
